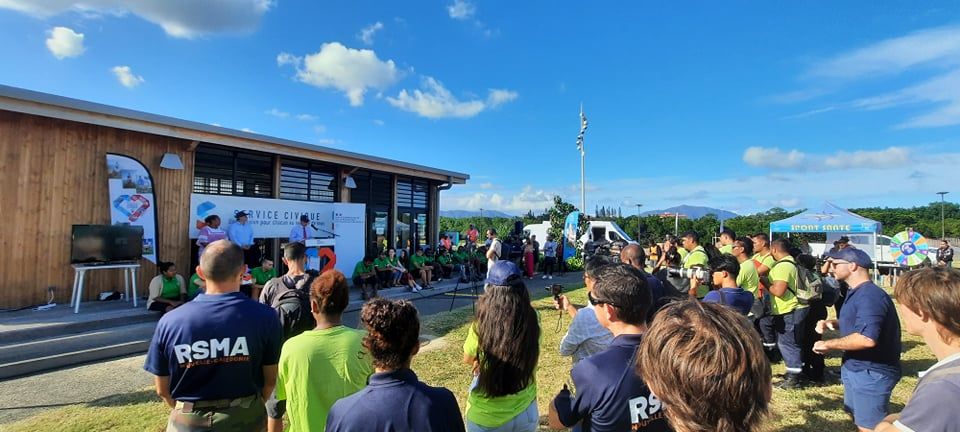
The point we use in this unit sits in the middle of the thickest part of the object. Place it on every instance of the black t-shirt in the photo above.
(396, 401)
(610, 394)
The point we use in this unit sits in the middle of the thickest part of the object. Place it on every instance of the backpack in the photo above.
(292, 303)
(810, 285)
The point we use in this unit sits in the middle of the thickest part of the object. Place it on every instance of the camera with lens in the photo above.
(556, 290)
(700, 273)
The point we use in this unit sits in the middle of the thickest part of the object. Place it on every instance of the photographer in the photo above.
(610, 394)
(632, 255)
(585, 336)
(725, 270)
(696, 257)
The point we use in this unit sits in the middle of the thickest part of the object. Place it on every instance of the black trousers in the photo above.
(812, 362)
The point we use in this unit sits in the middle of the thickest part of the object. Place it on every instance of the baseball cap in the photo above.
(503, 273)
(844, 240)
(240, 214)
(853, 255)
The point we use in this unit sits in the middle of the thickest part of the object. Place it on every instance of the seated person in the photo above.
(364, 277)
(461, 262)
(480, 261)
(445, 262)
(195, 285)
(420, 264)
(167, 290)
(260, 276)
(400, 274)
(394, 399)
(725, 270)
(384, 270)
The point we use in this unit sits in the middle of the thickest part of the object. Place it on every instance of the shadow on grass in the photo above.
(913, 366)
(120, 400)
(444, 322)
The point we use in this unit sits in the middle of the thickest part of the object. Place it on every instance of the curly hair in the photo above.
(393, 332)
(707, 366)
(331, 292)
(509, 340)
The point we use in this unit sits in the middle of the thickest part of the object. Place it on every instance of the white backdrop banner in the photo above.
(274, 218)
(270, 218)
(131, 199)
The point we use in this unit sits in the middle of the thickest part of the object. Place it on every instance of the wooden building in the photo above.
(53, 175)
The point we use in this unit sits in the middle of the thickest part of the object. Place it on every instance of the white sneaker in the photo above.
(543, 277)
(550, 277)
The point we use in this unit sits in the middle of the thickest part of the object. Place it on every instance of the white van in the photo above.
(597, 231)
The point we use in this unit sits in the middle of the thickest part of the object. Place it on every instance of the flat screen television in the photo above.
(105, 243)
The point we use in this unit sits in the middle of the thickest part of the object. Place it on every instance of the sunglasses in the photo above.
(597, 302)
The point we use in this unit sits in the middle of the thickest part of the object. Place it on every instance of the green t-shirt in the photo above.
(418, 261)
(193, 287)
(748, 278)
(261, 276)
(395, 261)
(362, 268)
(381, 263)
(697, 257)
(444, 259)
(317, 368)
(493, 412)
(766, 260)
(170, 289)
(460, 256)
(784, 270)
(728, 249)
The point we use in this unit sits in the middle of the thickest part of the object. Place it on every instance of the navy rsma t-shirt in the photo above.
(215, 347)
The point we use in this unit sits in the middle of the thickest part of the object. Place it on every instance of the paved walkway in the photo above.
(27, 396)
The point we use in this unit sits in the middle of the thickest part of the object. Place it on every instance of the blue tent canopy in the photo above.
(827, 218)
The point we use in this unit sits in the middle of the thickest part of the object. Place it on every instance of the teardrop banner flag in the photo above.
(132, 200)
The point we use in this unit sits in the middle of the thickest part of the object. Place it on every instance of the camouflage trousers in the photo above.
(245, 414)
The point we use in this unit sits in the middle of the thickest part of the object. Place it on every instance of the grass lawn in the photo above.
(812, 409)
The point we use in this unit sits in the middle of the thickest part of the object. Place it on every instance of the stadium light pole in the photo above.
(943, 229)
(481, 213)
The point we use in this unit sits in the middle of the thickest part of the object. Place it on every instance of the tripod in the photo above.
(473, 278)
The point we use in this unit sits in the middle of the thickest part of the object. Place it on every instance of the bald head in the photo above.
(633, 256)
(221, 262)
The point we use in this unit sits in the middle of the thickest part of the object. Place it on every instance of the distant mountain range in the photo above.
(459, 214)
(693, 212)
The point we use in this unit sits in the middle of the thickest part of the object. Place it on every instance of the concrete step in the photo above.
(29, 325)
(24, 358)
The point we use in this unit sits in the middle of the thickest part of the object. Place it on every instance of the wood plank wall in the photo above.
(53, 175)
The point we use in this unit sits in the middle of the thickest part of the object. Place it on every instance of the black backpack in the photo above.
(292, 303)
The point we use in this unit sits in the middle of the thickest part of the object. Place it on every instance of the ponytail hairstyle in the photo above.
(393, 332)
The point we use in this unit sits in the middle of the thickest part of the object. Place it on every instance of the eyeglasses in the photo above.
(597, 302)
(835, 262)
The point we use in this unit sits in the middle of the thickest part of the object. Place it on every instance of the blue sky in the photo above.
(736, 105)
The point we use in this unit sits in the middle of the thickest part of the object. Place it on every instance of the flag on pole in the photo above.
(583, 129)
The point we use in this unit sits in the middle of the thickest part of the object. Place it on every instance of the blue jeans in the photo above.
(790, 328)
(524, 422)
(866, 394)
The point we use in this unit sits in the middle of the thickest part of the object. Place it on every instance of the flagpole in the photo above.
(583, 181)
(583, 195)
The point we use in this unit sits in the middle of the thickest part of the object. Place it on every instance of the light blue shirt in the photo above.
(296, 233)
(585, 336)
(241, 234)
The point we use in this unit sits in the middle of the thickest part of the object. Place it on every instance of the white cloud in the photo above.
(320, 129)
(248, 130)
(367, 33)
(461, 10)
(378, 122)
(327, 141)
(178, 18)
(64, 42)
(126, 76)
(277, 113)
(527, 198)
(936, 46)
(486, 185)
(351, 71)
(306, 117)
(433, 100)
(772, 157)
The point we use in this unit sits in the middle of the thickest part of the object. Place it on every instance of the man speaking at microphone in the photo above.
(302, 231)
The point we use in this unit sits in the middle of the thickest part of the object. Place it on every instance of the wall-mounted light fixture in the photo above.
(171, 161)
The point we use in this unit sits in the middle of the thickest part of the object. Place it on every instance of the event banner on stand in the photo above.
(132, 200)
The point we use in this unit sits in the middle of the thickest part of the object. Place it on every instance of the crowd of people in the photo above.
(650, 351)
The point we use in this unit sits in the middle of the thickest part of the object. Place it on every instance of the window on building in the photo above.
(225, 171)
(412, 199)
(308, 181)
